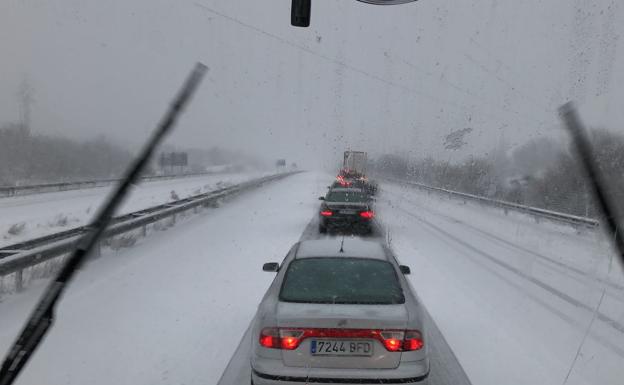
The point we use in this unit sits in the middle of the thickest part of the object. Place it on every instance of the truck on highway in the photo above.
(353, 172)
(355, 162)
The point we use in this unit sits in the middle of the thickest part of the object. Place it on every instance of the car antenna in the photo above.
(342, 245)
(42, 317)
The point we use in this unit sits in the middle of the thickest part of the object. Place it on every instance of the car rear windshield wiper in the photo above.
(43, 316)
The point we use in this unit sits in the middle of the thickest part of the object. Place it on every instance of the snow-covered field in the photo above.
(171, 309)
(514, 298)
(48, 213)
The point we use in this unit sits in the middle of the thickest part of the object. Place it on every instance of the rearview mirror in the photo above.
(321, 198)
(386, 2)
(300, 13)
(405, 269)
(271, 267)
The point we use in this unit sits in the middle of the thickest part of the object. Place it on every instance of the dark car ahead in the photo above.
(346, 210)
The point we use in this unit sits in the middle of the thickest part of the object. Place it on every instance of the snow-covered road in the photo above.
(512, 297)
(171, 309)
(47, 213)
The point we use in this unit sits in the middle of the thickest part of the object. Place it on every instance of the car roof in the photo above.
(352, 248)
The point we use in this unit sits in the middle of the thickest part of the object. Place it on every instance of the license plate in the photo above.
(348, 212)
(341, 348)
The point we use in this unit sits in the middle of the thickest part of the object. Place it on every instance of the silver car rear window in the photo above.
(341, 281)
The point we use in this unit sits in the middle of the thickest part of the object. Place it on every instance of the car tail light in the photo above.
(368, 214)
(269, 338)
(290, 339)
(276, 338)
(327, 213)
(413, 341)
(392, 340)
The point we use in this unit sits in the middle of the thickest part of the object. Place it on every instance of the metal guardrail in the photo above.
(542, 213)
(10, 191)
(15, 258)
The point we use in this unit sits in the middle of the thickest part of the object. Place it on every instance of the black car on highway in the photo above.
(347, 210)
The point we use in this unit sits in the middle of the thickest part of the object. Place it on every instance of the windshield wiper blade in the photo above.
(43, 316)
(598, 182)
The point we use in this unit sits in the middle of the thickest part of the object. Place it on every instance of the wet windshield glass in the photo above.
(449, 121)
(341, 280)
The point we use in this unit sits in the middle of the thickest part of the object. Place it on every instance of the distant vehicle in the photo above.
(339, 312)
(341, 183)
(368, 186)
(346, 210)
(354, 164)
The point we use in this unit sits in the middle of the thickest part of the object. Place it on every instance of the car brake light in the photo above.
(289, 343)
(392, 340)
(269, 338)
(276, 338)
(327, 213)
(290, 339)
(367, 214)
(413, 341)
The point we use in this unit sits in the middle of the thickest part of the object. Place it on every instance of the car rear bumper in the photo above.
(273, 372)
(346, 224)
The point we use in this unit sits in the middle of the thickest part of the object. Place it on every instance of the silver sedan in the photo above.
(339, 311)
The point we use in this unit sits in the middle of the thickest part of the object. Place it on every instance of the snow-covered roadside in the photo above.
(580, 248)
(48, 213)
(173, 308)
(503, 310)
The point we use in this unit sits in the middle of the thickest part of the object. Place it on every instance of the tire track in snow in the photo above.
(584, 275)
(572, 301)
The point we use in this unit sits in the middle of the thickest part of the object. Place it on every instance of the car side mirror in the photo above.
(271, 267)
(321, 198)
(405, 269)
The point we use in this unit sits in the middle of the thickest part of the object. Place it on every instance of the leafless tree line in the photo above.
(542, 173)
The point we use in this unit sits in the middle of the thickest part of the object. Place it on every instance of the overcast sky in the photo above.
(365, 77)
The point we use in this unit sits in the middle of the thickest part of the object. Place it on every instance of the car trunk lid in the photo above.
(346, 209)
(346, 329)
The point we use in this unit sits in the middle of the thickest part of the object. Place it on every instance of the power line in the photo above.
(465, 91)
(352, 68)
(506, 66)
